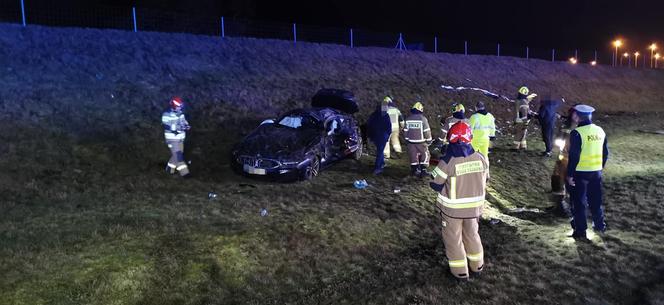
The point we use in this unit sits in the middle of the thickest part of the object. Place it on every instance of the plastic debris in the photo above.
(263, 212)
(494, 221)
(212, 195)
(360, 184)
(397, 190)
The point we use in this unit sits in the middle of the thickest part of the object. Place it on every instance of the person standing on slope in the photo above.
(588, 153)
(175, 130)
(458, 114)
(547, 116)
(379, 129)
(460, 180)
(483, 125)
(397, 121)
(418, 136)
(522, 119)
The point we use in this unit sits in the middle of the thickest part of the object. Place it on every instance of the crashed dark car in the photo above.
(301, 142)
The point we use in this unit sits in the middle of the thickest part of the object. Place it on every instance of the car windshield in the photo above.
(297, 121)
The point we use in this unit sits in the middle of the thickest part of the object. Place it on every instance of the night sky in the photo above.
(563, 24)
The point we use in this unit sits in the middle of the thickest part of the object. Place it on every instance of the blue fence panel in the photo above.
(83, 15)
(171, 22)
(236, 27)
(321, 34)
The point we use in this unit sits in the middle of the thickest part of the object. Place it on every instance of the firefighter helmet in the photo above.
(176, 102)
(418, 106)
(460, 131)
(524, 90)
(458, 107)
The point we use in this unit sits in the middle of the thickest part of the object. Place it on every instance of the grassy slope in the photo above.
(88, 218)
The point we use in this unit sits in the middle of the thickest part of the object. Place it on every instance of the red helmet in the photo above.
(176, 102)
(460, 131)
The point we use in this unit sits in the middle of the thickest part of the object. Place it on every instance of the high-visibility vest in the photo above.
(483, 126)
(592, 148)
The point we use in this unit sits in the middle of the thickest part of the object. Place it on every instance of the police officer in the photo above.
(418, 137)
(397, 121)
(483, 125)
(522, 119)
(588, 153)
(175, 130)
(460, 181)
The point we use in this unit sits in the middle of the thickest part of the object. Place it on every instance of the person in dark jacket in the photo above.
(588, 153)
(547, 116)
(379, 129)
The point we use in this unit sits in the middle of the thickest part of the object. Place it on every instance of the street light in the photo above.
(572, 60)
(617, 43)
(593, 63)
(656, 59)
(636, 59)
(626, 55)
(652, 48)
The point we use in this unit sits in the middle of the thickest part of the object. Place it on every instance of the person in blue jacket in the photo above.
(379, 129)
(547, 116)
(588, 154)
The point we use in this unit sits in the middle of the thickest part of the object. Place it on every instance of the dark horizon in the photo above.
(584, 24)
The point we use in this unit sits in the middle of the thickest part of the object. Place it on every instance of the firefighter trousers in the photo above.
(418, 154)
(463, 246)
(394, 142)
(521, 132)
(176, 163)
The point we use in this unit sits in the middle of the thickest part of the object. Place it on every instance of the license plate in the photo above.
(254, 171)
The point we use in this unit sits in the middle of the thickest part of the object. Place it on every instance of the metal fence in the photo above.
(143, 19)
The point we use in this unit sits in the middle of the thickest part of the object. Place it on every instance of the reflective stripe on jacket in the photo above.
(464, 180)
(483, 126)
(417, 129)
(592, 148)
(396, 118)
(175, 125)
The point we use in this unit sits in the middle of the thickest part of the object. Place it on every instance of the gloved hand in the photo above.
(436, 187)
(531, 96)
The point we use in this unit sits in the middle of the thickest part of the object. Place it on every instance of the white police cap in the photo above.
(584, 109)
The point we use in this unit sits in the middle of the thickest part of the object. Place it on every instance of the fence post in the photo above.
(527, 53)
(351, 39)
(294, 34)
(498, 50)
(223, 28)
(133, 13)
(595, 55)
(435, 44)
(465, 47)
(23, 12)
(576, 54)
(553, 55)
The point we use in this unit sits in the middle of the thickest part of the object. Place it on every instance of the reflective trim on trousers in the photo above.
(181, 167)
(459, 263)
(475, 257)
(171, 165)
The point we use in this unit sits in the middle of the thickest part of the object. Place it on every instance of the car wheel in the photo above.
(312, 169)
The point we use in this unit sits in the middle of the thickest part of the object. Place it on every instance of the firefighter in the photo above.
(522, 119)
(396, 119)
(460, 181)
(175, 130)
(483, 125)
(418, 137)
(378, 130)
(588, 153)
(458, 114)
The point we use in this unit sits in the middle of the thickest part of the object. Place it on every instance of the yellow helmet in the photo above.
(524, 90)
(387, 100)
(418, 106)
(458, 108)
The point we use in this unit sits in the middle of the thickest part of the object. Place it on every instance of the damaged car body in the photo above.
(302, 142)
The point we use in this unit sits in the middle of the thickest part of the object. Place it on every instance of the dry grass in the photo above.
(88, 217)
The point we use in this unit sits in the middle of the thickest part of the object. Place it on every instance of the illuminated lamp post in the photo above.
(652, 48)
(617, 44)
(636, 59)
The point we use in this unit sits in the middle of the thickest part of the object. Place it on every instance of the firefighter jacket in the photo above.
(395, 117)
(175, 125)
(417, 128)
(522, 109)
(483, 126)
(463, 174)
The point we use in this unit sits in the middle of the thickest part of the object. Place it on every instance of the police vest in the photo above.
(592, 148)
(483, 126)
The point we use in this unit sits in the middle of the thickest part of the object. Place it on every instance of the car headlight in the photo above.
(290, 164)
(560, 143)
